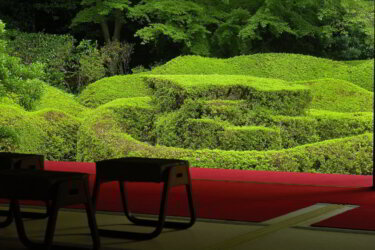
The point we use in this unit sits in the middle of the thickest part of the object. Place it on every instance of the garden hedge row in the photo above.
(321, 125)
(102, 138)
(249, 138)
(288, 67)
(135, 116)
(170, 91)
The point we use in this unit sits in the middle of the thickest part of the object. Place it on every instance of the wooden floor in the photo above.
(287, 232)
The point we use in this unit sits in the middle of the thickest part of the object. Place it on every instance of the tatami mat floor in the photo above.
(289, 232)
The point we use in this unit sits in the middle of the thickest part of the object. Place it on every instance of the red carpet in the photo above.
(246, 195)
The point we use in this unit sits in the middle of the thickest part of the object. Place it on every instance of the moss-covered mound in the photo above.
(54, 98)
(111, 88)
(288, 67)
(49, 131)
(170, 91)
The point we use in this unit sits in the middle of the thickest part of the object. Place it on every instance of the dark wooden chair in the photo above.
(59, 188)
(170, 172)
(21, 161)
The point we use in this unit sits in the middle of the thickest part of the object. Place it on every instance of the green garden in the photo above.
(276, 111)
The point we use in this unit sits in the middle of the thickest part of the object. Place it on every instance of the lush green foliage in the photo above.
(111, 88)
(338, 29)
(213, 120)
(19, 82)
(67, 65)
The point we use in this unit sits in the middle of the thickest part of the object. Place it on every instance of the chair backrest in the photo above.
(21, 161)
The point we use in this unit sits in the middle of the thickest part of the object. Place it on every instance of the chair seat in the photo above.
(21, 161)
(33, 185)
(137, 169)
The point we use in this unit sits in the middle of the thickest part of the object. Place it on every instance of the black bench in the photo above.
(169, 171)
(59, 188)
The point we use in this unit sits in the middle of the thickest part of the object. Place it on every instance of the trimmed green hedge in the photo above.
(134, 116)
(288, 67)
(249, 138)
(335, 125)
(236, 112)
(48, 131)
(201, 133)
(321, 125)
(295, 131)
(101, 138)
(111, 88)
(170, 91)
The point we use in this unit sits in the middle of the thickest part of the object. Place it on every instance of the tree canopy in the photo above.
(337, 29)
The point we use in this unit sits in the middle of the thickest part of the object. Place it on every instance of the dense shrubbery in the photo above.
(69, 65)
(19, 82)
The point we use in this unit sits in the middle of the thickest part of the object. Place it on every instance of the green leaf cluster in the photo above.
(17, 81)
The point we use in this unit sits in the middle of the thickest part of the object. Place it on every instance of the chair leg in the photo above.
(91, 219)
(8, 220)
(148, 222)
(144, 236)
(95, 193)
(21, 229)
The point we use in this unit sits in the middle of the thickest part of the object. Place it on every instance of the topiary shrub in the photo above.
(60, 131)
(52, 133)
(170, 91)
(101, 138)
(134, 116)
(54, 98)
(249, 138)
(112, 88)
